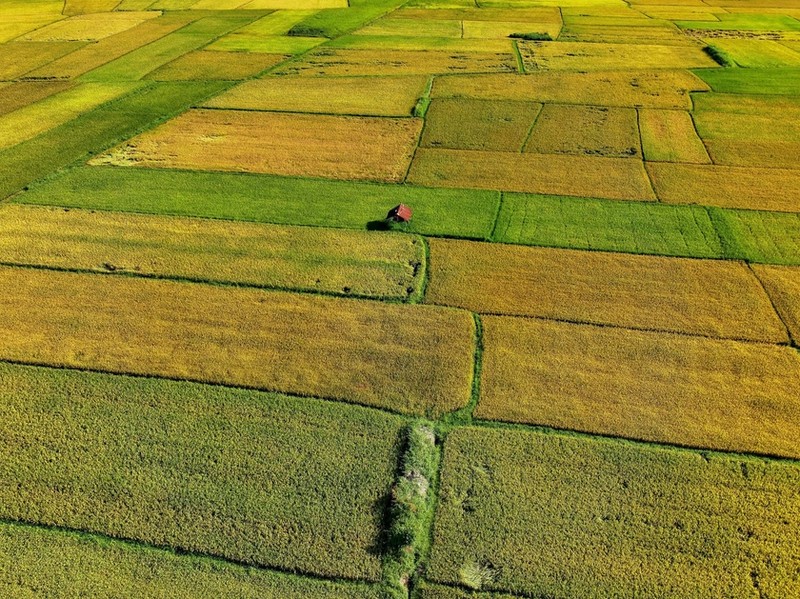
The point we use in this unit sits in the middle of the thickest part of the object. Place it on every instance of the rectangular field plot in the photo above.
(339, 147)
(703, 297)
(207, 65)
(652, 89)
(585, 130)
(19, 58)
(266, 44)
(549, 515)
(399, 62)
(590, 224)
(14, 96)
(467, 124)
(265, 198)
(783, 285)
(670, 136)
(54, 560)
(367, 96)
(752, 81)
(756, 236)
(439, 591)
(378, 44)
(310, 259)
(257, 478)
(245, 337)
(711, 393)
(413, 27)
(578, 56)
(758, 53)
(612, 178)
(727, 186)
(91, 27)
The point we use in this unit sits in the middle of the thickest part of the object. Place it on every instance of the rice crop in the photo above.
(785, 81)
(759, 236)
(90, 27)
(222, 66)
(670, 136)
(19, 58)
(783, 285)
(14, 96)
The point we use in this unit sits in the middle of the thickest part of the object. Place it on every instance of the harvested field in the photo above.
(613, 178)
(89, 28)
(337, 147)
(579, 56)
(585, 131)
(14, 96)
(54, 560)
(265, 198)
(303, 258)
(257, 478)
(783, 285)
(651, 89)
(207, 65)
(466, 124)
(612, 519)
(334, 62)
(670, 136)
(730, 187)
(589, 224)
(766, 237)
(19, 58)
(700, 297)
(366, 96)
(274, 341)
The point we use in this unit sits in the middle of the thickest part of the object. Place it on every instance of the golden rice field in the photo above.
(567, 368)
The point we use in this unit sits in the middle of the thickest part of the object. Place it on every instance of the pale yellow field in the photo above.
(297, 144)
(731, 187)
(91, 27)
(207, 65)
(652, 89)
(372, 96)
(587, 176)
(783, 285)
(411, 359)
(670, 136)
(703, 297)
(304, 258)
(580, 56)
(715, 394)
(12, 27)
(585, 130)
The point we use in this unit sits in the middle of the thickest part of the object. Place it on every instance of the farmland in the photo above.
(226, 370)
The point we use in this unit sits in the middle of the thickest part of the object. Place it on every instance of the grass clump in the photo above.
(533, 36)
(720, 56)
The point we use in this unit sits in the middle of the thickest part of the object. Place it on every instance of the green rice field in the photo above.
(567, 368)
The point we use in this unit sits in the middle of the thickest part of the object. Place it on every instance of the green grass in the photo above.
(48, 564)
(558, 516)
(780, 81)
(744, 22)
(719, 55)
(334, 22)
(95, 131)
(580, 223)
(756, 236)
(258, 478)
(265, 198)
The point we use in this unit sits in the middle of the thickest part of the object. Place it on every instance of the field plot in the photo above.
(743, 22)
(612, 519)
(365, 96)
(54, 561)
(452, 45)
(413, 27)
(435, 591)
(266, 44)
(207, 65)
(93, 27)
(79, 7)
(731, 187)
(758, 53)
(578, 56)
(752, 81)
(702, 297)
(19, 58)
(339, 147)
(768, 237)
(275, 341)
(651, 89)
(467, 124)
(783, 285)
(585, 130)
(639, 32)
(590, 224)
(14, 96)
(334, 62)
(265, 198)
(670, 136)
(311, 259)
(260, 479)
(533, 14)
(613, 178)
(661, 387)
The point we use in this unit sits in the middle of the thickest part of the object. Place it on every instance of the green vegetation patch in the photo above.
(744, 22)
(265, 198)
(566, 517)
(57, 563)
(757, 53)
(258, 478)
(784, 81)
(758, 236)
(338, 21)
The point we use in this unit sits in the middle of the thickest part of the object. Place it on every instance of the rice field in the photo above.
(400, 299)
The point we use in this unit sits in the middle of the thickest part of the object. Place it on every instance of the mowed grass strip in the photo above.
(612, 178)
(368, 96)
(670, 136)
(783, 285)
(339, 147)
(260, 479)
(341, 262)
(574, 517)
(267, 198)
(410, 359)
(55, 562)
(647, 88)
(592, 224)
(692, 391)
(701, 297)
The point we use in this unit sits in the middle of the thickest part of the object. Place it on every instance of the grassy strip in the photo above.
(339, 21)
(95, 131)
(562, 516)
(260, 479)
(464, 415)
(267, 198)
(424, 102)
(58, 563)
(331, 261)
(412, 506)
